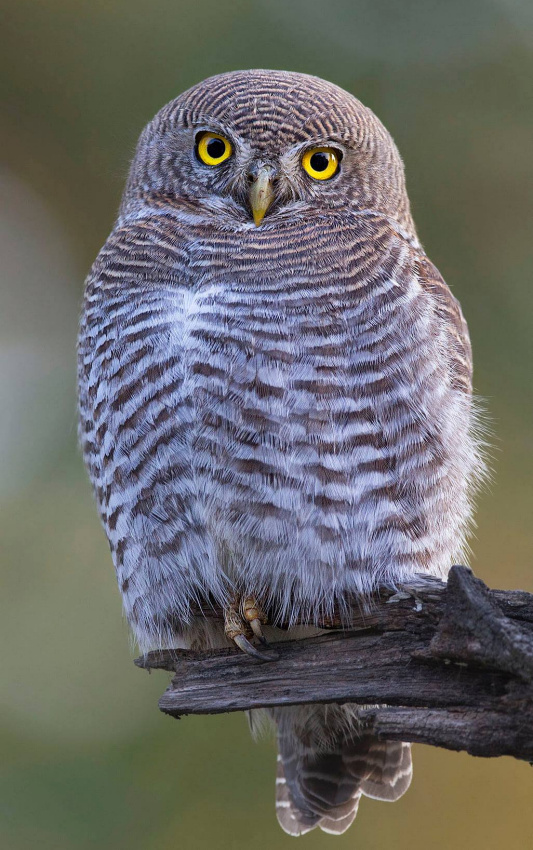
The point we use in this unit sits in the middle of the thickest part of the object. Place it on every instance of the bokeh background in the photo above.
(87, 759)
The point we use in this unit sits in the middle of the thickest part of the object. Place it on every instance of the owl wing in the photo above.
(136, 421)
(449, 311)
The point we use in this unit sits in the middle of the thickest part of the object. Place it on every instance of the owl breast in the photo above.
(329, 434)
(272, 410)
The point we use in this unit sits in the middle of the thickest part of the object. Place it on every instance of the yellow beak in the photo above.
(261, 194)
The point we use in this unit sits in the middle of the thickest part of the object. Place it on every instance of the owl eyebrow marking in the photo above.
(190, 117)
(341, 139)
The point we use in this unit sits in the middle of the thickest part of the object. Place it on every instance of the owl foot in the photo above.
(242, 620)
(407, 592)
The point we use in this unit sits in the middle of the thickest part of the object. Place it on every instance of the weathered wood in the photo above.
(473, 629)
(479, 731)
(447, 664)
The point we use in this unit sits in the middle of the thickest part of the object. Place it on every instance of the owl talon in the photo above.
(255, 616)
(247, 647)
(255, 626)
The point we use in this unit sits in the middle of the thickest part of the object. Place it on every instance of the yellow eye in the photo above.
(213, 149)
(320, 163)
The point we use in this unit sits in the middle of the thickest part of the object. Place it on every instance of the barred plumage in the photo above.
(281, 411)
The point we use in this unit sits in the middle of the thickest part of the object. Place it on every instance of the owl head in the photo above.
(255, 147)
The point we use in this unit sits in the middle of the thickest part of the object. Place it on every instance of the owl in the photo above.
(275, 396)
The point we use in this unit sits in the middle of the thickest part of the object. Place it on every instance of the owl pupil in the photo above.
(319, 161)
(216, 148)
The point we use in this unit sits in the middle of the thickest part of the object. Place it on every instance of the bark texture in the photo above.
(450, 665)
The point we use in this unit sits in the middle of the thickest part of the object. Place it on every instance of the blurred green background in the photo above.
(88, 761)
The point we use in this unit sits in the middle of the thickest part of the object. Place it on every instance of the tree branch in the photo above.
(449, 665)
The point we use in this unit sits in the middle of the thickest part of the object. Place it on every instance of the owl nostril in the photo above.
(261, 168)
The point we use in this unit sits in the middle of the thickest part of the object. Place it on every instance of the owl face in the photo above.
(256, 147)
(264, 178)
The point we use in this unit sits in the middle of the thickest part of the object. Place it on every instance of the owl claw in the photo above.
(255, 616)
(243, 619)
(255, 626)
(247, 647)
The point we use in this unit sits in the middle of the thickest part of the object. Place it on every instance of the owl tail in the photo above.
(322, 787)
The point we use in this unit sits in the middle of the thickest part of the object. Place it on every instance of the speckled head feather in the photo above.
(275, 407)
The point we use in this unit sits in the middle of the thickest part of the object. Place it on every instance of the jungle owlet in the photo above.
(275, 394)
